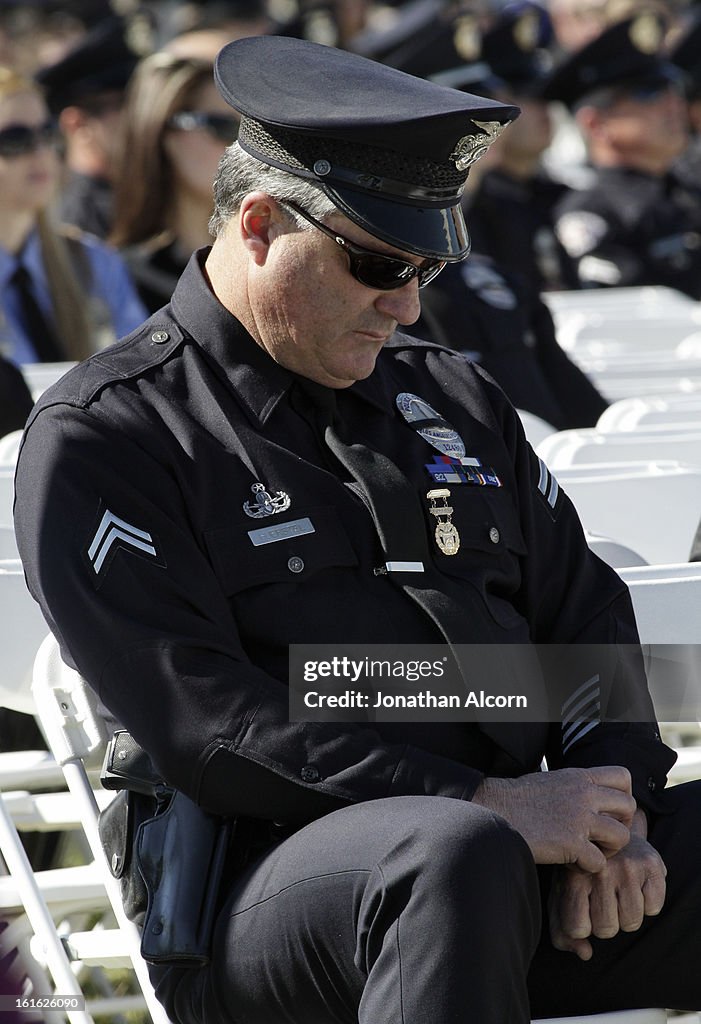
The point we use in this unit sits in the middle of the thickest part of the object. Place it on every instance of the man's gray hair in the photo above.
(239, 174)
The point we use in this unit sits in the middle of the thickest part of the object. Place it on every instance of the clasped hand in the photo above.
(586, 820)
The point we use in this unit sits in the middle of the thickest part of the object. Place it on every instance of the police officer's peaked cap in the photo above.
(685, 53)
(456, 48)
(391, 151)
(102, 61)
(404, 33)
(514, 47)
(625, 55)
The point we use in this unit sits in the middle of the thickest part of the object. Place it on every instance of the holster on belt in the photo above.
(168, 854)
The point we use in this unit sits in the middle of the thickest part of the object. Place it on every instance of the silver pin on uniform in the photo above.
(446, 534)
(266, 504)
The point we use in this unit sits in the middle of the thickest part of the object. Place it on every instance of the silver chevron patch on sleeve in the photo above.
(114, 532)
(581, 712)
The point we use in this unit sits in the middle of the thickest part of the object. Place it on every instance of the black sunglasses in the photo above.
(373, 269)
(221, 127)
(21, 139)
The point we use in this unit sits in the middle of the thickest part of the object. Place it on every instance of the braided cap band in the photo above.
(353, 164)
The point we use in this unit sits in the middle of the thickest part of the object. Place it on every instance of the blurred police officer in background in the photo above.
(258, 466)
(637, 222)
(684, 52)
(499, 320)
(510, 210)
(85, 92)
(489, 306)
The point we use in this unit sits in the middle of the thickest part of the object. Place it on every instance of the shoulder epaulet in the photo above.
(148, 346)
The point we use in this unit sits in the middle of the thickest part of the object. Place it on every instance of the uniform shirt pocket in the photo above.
(491, 543)
(283, 549)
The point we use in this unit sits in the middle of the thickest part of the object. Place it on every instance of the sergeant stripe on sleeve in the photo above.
(113, 532)
(548, 485)
(581, 713)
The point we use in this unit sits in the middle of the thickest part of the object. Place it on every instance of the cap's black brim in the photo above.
(434, 232)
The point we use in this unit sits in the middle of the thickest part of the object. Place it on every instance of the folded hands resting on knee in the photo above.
(585, 820)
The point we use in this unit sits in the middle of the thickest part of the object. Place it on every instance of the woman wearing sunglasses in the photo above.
(176, 129)
(63, 294)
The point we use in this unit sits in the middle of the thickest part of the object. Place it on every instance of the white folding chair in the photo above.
(8, 544)
(7, 495)
(66, 708)
(40, 375)
(655, 412)
(22, 629)
(9, 448)
(666, 601)
(34, 902)
(653, 508)
(637, 302)
(536, 429)
(612, 552)
(586, 445)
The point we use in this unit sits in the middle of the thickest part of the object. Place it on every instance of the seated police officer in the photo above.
(638, 221)
(252, 470)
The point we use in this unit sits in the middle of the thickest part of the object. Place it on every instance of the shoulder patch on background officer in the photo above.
(488, 284)
(593, 268)
(579, 232)
(111, 534)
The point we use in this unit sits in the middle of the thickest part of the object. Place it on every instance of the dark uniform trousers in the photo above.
(427, 909)
(391, 895)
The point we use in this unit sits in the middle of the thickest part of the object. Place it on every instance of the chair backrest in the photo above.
(614, 554)
(536, 429)
(22, 629)
(680, 412)
(8, 544)
(9, 448)
(653, 508)
(68, 708)
(7, 494)
(666, 600)
(40, 375)
(587, 445)
(76, 734)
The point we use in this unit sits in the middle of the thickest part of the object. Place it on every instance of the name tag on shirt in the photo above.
(283, 531)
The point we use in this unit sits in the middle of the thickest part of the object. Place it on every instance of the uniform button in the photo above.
(651, 784)
(158, 337)
(494, 535)
(295, 564)
(310, 774)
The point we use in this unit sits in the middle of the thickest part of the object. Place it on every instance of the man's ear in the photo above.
(260, 220)
(71, 119)
(589, 121)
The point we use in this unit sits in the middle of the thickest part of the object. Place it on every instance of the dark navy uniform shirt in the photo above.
(130, 518)
(512, 221)
(631, 228)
